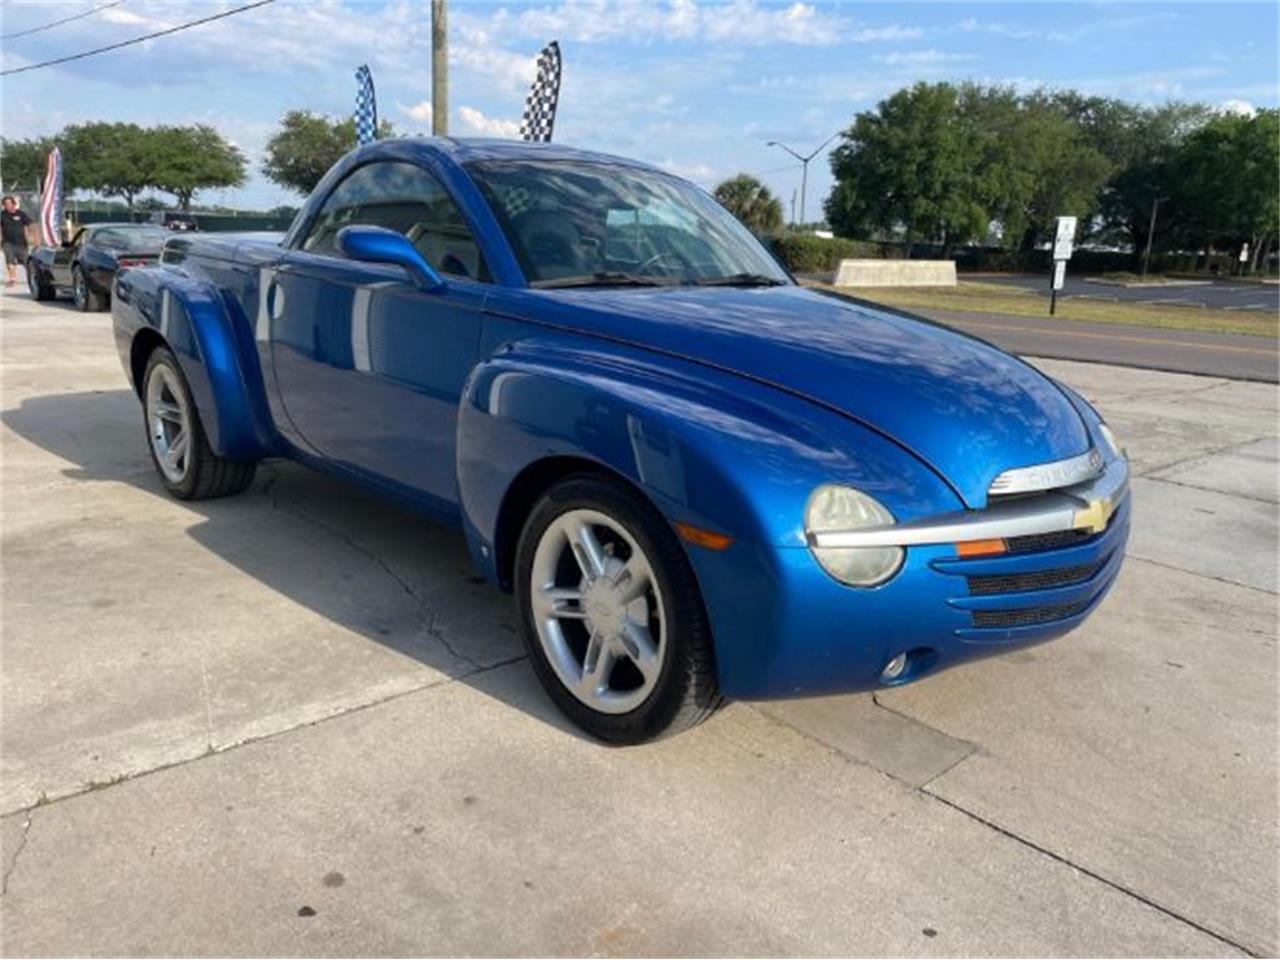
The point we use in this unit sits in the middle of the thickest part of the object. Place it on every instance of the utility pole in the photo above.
(439, 70)
(793, 209)
(1151, 232)
(804, 167)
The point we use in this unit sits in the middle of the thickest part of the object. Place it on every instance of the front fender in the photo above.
(215, 355)
(707, 448)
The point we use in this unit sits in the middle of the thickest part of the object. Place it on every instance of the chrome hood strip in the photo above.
(1086, 506)
(1048, 476)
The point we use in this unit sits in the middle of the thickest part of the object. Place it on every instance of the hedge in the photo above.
(804, 253)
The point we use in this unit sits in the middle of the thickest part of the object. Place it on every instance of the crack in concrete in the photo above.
(430, 617)
(13, 863)
(1196, 573)
(1093, 875)
(213, 751)
(1223, 493)
(1202, 455)
(991, 825)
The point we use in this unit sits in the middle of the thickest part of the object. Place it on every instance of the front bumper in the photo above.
(785, 628)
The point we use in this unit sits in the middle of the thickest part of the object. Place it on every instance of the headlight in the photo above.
(1113, 444)
(833, 508)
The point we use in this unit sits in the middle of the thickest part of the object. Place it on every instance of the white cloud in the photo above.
(1240, 108)
(884, 34)
(419, 111)
(922, 57)
(476, 122)
(745, 22)
(700, 173)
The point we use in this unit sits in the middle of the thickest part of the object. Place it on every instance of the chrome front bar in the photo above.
(1084, 506)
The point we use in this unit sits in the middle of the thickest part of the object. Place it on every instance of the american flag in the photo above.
(544, 96)
(51, 201)
(366, 107)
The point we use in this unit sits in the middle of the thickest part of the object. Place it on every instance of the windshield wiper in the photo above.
(610, 278)
(740, 280)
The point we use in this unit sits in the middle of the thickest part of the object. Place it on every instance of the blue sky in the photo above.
(695, 87)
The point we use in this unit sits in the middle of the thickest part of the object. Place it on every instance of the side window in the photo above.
(405, 198)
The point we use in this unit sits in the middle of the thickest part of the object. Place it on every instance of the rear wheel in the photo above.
(86, 298)
(187, 465)
(37, 283)
(612, 616)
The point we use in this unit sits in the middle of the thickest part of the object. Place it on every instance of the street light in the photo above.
(804, 165)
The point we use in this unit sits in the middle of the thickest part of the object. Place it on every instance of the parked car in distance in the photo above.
(699, 478)
(175, 220)
(84, 266)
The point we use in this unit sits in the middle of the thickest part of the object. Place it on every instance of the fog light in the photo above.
(893, 669)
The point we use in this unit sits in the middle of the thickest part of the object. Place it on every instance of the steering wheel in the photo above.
(662, 255)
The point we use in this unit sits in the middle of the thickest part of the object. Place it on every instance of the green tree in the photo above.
(1140, 144)
(1223, 181)
(307, 144)
(112, 159)
(911, 164)
(22, 162)
(1037, 164)
(187, 159)
(752, 203)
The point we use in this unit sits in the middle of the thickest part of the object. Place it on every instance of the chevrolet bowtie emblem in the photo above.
(1094, 517)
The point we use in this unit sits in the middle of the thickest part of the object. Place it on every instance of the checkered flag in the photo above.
(366, 107)
(540, 109)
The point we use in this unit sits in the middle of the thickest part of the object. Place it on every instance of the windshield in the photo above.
(128, 236)
(579, 224)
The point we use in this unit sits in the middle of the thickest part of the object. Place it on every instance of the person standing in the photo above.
(13, 233)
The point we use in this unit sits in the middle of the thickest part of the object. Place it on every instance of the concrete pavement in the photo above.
(293, 723)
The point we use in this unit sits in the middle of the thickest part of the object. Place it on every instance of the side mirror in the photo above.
(380, 245)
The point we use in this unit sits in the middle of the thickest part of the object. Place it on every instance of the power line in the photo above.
(128, 43)
(54, 23)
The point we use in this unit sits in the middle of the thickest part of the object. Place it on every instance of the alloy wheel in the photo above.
(168, 423)
(598, 611)
(78, 288)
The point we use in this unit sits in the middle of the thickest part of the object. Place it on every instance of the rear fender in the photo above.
(213, 345)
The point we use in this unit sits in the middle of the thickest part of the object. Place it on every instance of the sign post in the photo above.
(1064, 236)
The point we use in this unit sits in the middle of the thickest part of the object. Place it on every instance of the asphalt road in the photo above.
(1220, 294)
(1183, 351)
(291, 723)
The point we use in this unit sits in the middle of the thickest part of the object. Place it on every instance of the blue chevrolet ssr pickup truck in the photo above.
(699, 479)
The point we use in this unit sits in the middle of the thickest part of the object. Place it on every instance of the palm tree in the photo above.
(751, 202)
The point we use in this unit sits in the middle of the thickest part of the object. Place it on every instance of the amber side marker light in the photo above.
(703, 538)
(980, 548)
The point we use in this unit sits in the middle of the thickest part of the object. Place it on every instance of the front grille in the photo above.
(1046, 541)
(1027, 616)
(1036, 580)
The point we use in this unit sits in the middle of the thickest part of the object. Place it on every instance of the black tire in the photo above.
(686, 691)
(87, 299)
(37, 282)
(206, 475)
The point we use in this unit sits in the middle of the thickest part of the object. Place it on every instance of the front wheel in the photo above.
(612, 617)
(41, 288)
(187, 465)
(86, 298)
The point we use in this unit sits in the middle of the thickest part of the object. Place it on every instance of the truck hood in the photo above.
(962, 406)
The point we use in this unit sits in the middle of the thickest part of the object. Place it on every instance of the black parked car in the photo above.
(85, 265)
(175, 220)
